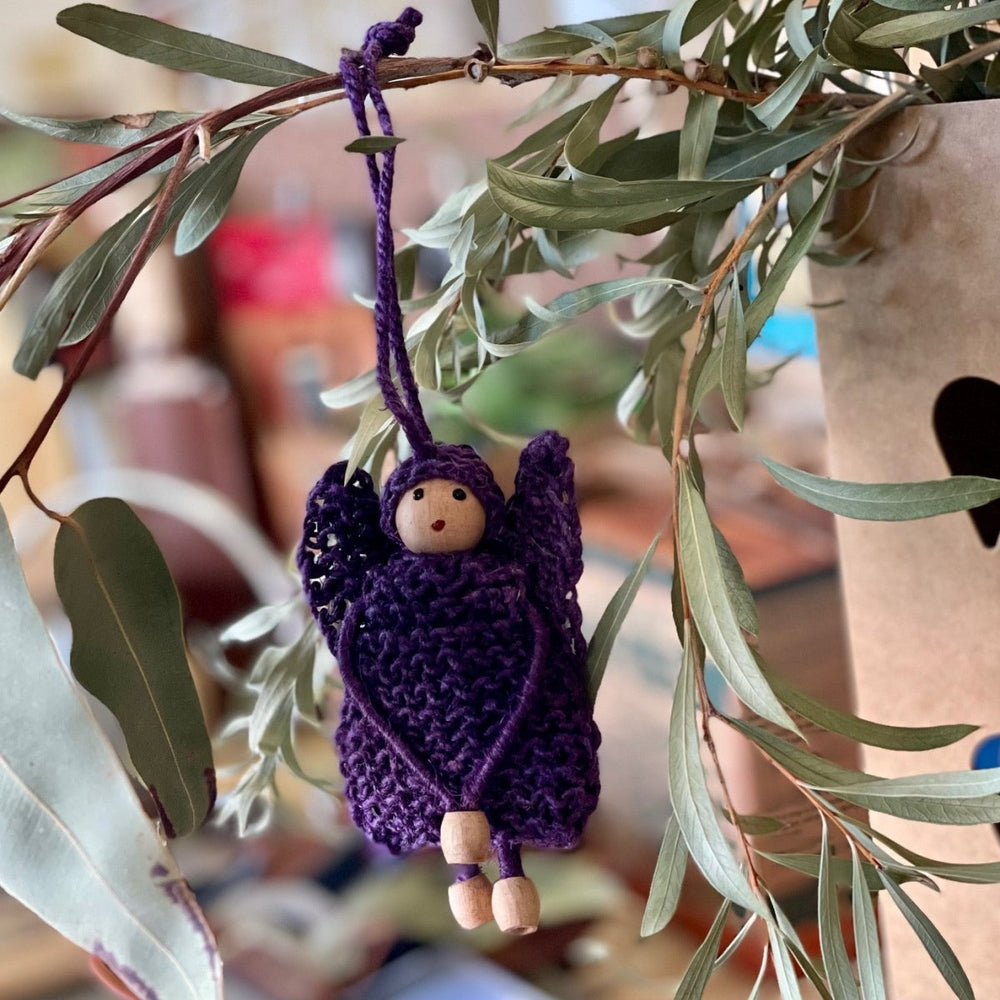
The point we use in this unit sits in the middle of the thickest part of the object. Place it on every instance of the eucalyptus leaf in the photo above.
(932, 940)
(164, 45)
(585, 135)
(108, 884)
(128, 651)
(700, 120)
(488, 15)
(215, 190)
(119, 130)
(887, 501)
(778, 106)
(668, 877)
(374, 422)
(558, 204)
(831, 938)
(784, 971)
(371, 144)
(950, 784)
(866, 939)
(692, 802)
(734, 355)
(712, 611)
(924, 26)
(699, 971)
(791, 254)
(874, 734)
(740, 595)
(259, 622)
(607, 629)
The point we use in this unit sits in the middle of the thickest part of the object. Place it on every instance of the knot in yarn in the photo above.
(392, 38)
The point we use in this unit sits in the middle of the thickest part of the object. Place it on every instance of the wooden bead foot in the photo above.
(465, 837)
(471, 902)
(516, 907)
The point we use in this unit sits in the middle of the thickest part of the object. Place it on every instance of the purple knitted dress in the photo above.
(462, 655)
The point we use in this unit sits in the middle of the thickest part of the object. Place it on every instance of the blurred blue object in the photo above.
(790, 331)
(987, 753)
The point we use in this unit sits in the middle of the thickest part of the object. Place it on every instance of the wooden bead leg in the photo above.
(516, 907)
(465, 837)
(471, 902)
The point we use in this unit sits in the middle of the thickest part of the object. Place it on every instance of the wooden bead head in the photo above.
(440, 515)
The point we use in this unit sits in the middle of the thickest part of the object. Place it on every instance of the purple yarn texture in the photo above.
(464, 672)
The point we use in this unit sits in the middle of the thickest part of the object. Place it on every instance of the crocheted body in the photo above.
(444, 649)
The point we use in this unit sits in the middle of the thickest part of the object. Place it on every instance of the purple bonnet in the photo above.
(458, 462)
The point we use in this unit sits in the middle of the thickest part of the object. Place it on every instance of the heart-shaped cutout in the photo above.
(967, 424)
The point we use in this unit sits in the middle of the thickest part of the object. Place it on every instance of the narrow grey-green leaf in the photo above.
(873, 734)
(866, 941)
(784, 971)
(699, 971)
(713, 613)
(545, 319)
(841, 870)
(606, 630)
(119, 130)
(926, 809)
(488, 15)
(740, 595)
(792, 252)
(369, 144)
(692, 802)
(887, 501)
(912, 29)
(258, 622)
(697, 134)
(668, 877)
(374, 422)
(983, 873)
(164, 45)
(795, 19)
(831, 938)
(778, 106)
(947, 784)
(64, 797)
(601, 203)
(585, 135)
(935, 945)
(842, 44)
(734, 355)
(216, 187)
(128, 651)
(685, 20)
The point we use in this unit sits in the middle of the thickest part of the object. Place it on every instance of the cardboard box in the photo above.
(922, 597)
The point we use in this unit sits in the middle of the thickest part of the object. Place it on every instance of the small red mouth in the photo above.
(437, 526)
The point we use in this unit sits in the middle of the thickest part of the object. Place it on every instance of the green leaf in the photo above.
(831, 939)
(912, 29)
(734, 355)
(778, 106)
(164, 45)
(606, 630)
(684, 21)
(119, 130)
(692, 803)
(107, 882)
(699, 971)
(935, 945)
(842, 44)
(947, 784)
(259, 622)
(713, 613)
(128, 651)
(887, 501)
(740, 595)
(598, 203)
(370, 144)
(788, 982)
(697, 134)
(866, 940)
(873, 734)
(926, 809)
(585, 136)
(216, 186)
(668, 877)
(488, 15)
(375, 421)
(840, 869)
(791, 253)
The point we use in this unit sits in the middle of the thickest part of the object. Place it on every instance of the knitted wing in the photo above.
(341, 543)
(543, 531)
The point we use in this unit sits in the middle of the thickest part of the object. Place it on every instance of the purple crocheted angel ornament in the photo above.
(452, 613)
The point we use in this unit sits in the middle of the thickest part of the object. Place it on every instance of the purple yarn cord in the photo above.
(359, 74)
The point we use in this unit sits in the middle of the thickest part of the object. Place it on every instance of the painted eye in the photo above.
(459, 493)
(418, 493)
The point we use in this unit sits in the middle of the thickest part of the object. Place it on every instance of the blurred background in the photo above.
(213, 377)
